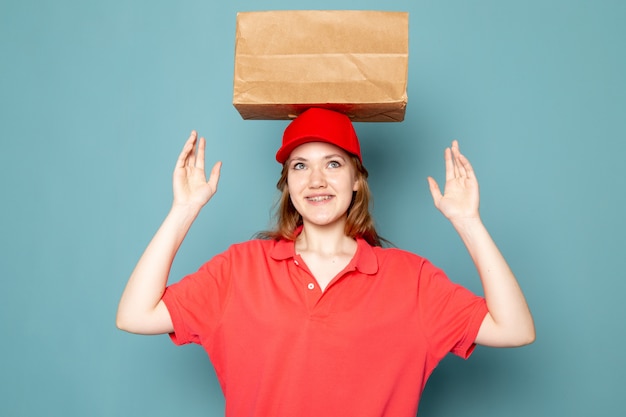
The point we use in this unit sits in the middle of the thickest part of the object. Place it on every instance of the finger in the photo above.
(458, 162)
(450, 169)
(200, 154)
(435, 192)
(183, 158)
(214, 177)
(467, 167)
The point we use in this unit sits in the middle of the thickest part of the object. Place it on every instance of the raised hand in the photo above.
(460, 199)
(509, 321)
(141, 309)
(191, 187)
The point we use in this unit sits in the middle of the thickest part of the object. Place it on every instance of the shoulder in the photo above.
(397, 260)
(397, 255)
(241, 256)
(252, 251)
(252, 247)
(256, 249)
(387, 260)
(254, 244)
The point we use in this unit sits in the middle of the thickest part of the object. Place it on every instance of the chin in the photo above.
(325, 222)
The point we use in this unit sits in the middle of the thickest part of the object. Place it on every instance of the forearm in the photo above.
(511, 321)
(148, 280)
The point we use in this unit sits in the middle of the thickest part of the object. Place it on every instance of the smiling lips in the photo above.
(319, 198)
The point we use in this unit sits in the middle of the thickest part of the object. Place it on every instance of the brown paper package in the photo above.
(351, 61)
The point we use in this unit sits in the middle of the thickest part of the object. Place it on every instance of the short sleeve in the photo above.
(197, 301)
(451, 314)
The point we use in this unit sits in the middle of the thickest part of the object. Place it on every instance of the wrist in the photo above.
(467, 224)
(183, 211)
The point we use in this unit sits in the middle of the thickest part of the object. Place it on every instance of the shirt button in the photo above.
(311, 286)
(296, 262)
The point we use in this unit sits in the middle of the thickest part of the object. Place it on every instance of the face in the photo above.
(321, 180)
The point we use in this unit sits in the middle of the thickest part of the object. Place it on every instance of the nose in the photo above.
(317, 179)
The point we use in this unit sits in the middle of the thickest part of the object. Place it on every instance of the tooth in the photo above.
(320, 198)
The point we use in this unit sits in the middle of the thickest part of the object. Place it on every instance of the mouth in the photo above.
(319, 198)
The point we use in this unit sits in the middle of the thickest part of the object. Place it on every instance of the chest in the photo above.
(283, 331)
(324, 270)
(333, 295)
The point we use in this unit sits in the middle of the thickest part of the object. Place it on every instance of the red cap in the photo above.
(319, 125)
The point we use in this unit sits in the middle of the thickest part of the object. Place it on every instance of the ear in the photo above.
(357, 184)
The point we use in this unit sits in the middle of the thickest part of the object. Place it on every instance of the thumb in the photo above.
(214, 176)
(435, 192)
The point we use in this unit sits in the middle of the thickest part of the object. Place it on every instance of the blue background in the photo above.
(97, 98)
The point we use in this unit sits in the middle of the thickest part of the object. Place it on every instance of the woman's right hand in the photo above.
(191, 187)
(141, 309)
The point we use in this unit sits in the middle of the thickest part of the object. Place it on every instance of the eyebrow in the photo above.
(326, 157)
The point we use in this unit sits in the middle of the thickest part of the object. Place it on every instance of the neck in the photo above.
(327, 240)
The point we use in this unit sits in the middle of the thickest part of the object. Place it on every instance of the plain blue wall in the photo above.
(96, 99)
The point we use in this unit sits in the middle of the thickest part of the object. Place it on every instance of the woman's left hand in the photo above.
(509, 322)
(460, 198)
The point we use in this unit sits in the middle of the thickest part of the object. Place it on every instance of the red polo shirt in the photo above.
(282, 347)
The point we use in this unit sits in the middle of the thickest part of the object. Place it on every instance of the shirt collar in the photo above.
(365, 259)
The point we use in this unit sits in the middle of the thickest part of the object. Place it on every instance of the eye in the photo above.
(334, 164)
(298, 166)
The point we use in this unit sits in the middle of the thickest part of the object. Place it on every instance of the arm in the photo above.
(140, 309)
(509, 322)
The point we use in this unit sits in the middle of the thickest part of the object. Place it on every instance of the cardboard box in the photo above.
(352, 61)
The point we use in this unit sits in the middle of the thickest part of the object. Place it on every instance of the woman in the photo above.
(316, 318)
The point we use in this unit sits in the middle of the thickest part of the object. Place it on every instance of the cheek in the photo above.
(297, 180)
(292, 185)
(341, 182)
(294, 188)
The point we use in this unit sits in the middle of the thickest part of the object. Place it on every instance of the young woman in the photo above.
(316, 318)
